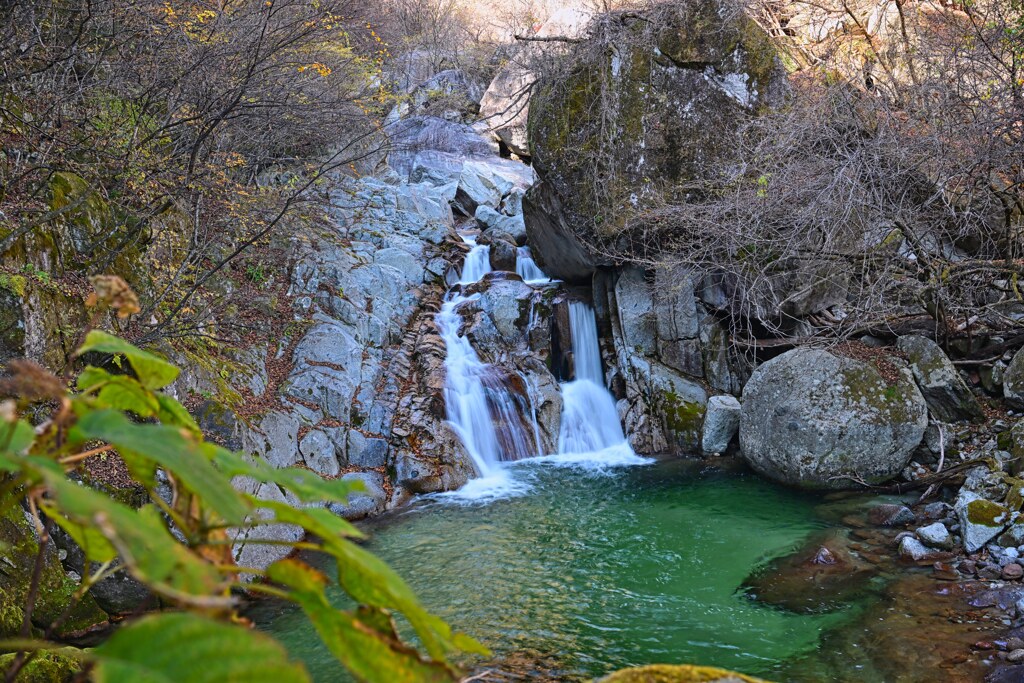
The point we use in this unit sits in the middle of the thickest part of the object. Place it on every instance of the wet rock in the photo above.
(936, 535)
(981, 520)
(721, 423)
(913, 549)
(890, 514)
(947, 395)
(817, 420)
(503, 256)
(822, 576)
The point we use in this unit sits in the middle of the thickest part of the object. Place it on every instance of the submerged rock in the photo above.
(822, 576)
(677, 673)
(817, 420)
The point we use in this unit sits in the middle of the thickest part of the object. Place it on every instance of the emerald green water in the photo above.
(597, 571)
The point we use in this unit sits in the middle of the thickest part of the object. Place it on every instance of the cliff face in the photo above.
(648, 103)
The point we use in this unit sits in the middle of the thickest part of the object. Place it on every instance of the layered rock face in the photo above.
(653, 109)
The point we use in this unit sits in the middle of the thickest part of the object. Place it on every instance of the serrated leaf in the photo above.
(172, 413)
(150, 553)
(370, 655)
(370, 581)
(175, 648)
(153, 372)
(307, 486)
(92, 542)
(169, 448)
(126, 394)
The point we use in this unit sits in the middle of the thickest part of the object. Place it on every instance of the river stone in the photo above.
(981, 520)
(936, 535)
(817, 420)
(721, 422)
(913, 549)
(947, 395)
(1013, 381)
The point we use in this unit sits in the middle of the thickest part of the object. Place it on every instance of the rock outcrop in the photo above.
(654, 105)
(948, 397)
(814, 419)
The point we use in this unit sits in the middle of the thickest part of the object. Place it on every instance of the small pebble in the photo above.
(1014, 643)
(1016, 656)
(1012, 572)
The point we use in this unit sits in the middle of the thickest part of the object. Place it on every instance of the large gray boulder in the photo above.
(661, 105)
(947, 395)
(817, 420)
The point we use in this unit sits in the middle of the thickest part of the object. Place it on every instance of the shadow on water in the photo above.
(585, 572)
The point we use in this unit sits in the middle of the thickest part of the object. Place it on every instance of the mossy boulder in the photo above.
(657, 105)
(678, 673)
(818, 420)
(53, 666)
(19, 548)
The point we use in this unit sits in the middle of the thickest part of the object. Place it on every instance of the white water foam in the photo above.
(490, 421)
(528, 269)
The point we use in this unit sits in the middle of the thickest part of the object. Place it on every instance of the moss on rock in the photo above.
(678, 673)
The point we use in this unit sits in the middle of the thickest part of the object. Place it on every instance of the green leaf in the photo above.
(150, 553)
(170, 412)
(370, 581)
(174, 648)
(92, 542)
(369, 654)
(17, 437)
(171, 449)
(154, 372)
(307, 486)
(126, 394)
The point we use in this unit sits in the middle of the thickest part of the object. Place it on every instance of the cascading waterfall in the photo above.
(590, 422)
(527, 268)
(486, 414)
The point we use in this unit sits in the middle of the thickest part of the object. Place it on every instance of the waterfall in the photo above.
(477, 263)
(485, 411)
(527, 268)
(590, 422)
